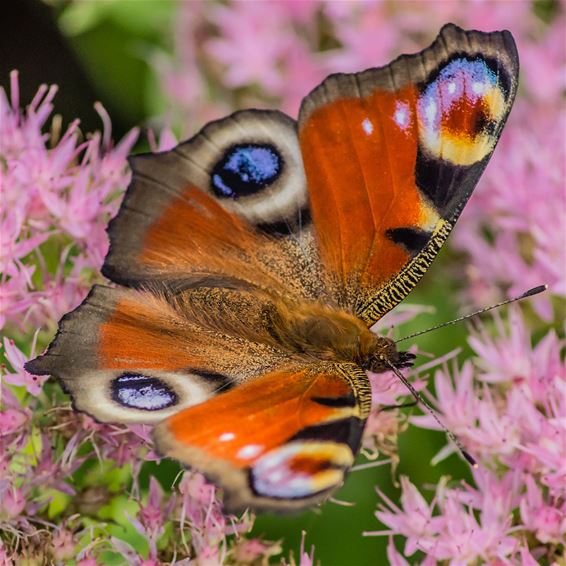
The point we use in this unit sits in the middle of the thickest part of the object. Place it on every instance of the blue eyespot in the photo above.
(142, 392)
(246, 169)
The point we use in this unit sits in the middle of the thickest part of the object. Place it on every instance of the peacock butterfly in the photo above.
(253, 258)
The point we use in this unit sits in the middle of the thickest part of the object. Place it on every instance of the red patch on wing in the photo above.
(192, 224)
(467, 118)
(245, 423)
(141, 335)
(308, 465)
(360, 156)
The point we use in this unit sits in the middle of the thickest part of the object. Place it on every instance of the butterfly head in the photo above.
(385, 355)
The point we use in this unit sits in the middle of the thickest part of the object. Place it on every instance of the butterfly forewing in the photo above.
(228, 208)
(392, 155)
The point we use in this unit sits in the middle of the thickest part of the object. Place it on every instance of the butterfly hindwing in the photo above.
(392, 155)
(282, 441)
(138, 357)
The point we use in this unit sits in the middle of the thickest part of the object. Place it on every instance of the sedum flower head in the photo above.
(507, 408)
(58, 191)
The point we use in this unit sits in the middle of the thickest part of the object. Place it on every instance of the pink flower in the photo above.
(209, 526)
(247, 25)
(11, 420)
(527, 558)
(457, 398)
(51, 192)
(543, 63)
(12, 501)
(248, 551)
(301, 72)
(5, 559)
(63, 545)
(305, 558)
(395, 559)
(19, 376)
(366, 35)
(454, 533)
(413, 519)
(153, 514)
(513, 359)
(548, 522)
(466, 538)
(302, 11)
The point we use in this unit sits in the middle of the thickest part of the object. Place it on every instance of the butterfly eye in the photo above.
(246, 169)
(142, 392)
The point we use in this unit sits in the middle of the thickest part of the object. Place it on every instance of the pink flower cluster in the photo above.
(57, 195)
(201, 528)
(273, 53)
(508, 410)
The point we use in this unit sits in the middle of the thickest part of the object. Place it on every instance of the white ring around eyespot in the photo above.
(95, 395)
(278, 201)
(272, 477)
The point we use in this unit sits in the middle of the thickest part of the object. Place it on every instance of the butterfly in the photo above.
(252, 260)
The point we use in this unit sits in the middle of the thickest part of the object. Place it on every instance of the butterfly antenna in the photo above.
(529, 293)
(421, 400)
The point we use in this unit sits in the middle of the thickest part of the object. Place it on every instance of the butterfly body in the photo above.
(252, 260)
(322, 333)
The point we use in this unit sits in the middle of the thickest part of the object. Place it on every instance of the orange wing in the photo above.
(392, 154)
(135, 356)
(217, 211)
(282, 441)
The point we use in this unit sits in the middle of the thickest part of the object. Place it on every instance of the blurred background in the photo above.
(169, 67)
